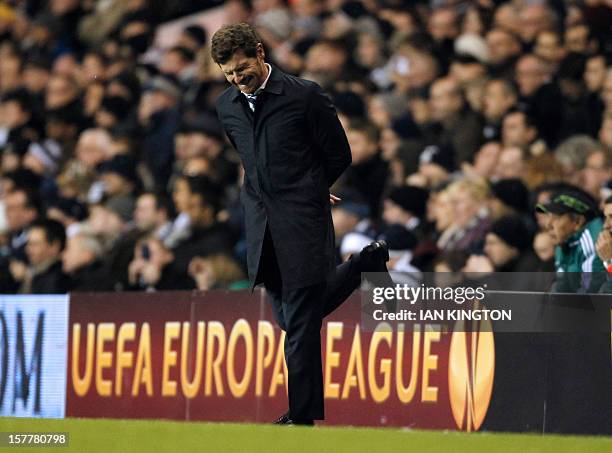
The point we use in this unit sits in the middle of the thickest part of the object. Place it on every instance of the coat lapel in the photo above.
(267, 100)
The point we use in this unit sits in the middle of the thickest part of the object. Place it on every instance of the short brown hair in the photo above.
(231, 38)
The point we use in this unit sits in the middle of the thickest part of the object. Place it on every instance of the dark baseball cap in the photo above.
(566, 202)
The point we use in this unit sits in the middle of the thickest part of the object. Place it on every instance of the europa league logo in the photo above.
(471, 370)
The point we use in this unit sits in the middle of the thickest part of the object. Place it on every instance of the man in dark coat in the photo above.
(293, 149)
(82, 261)
(44, 275)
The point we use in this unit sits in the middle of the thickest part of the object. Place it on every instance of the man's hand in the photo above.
(202, 272)
(334, 199)
(604, 245)
(135, 269)
(18, 270)
(151, 274)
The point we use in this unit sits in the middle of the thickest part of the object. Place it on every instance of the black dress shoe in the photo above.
(300, 422)
(282, 420)
(373, 261)
(373, 257)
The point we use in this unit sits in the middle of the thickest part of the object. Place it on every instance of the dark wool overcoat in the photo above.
(293, 148)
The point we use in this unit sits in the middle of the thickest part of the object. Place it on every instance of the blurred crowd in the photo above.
(480, 132)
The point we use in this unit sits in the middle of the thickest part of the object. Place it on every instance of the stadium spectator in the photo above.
(36, 73)
(508, 246)
(595, 73)
(574, 226)
(539, 96)
(368, 171)
(110, 222)
(597, 170)
(82, 261)
(544, 248)
(500, 97)
(207, 236)
(152, 215)
(93, 147)
(180, 62)
(535, 17)
(151, 268)
(470, 217)
(572, 154)
(406, 206)
(603, 246)
(118, 177)
(549, 47)
(509, 196)
(512, 163)
(541, 195)
(202, 138)
(467, 70)
(460, 127)
(158, 113)
(504, 48)
(576, 116)
(439, 213)
(594, 77)
(401, 141)
(21, 207)
(579, 39)
(43, 274)
(62, 90)
(413, 77)
(443, 27)
(325, 62)
(10, 66)
(518, 129)
(63, 126)
(384, 108)
(19, 128)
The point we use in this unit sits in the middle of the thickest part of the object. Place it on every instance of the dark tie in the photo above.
(251, 98)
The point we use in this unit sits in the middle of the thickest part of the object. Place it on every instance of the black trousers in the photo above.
(299, 312)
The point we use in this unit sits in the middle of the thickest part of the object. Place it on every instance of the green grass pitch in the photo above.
(154, 436)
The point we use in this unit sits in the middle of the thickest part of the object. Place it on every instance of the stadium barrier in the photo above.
(33, 352)
(218, 356)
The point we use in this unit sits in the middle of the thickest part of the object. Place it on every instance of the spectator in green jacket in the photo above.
(574, 224)
(603, 246)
